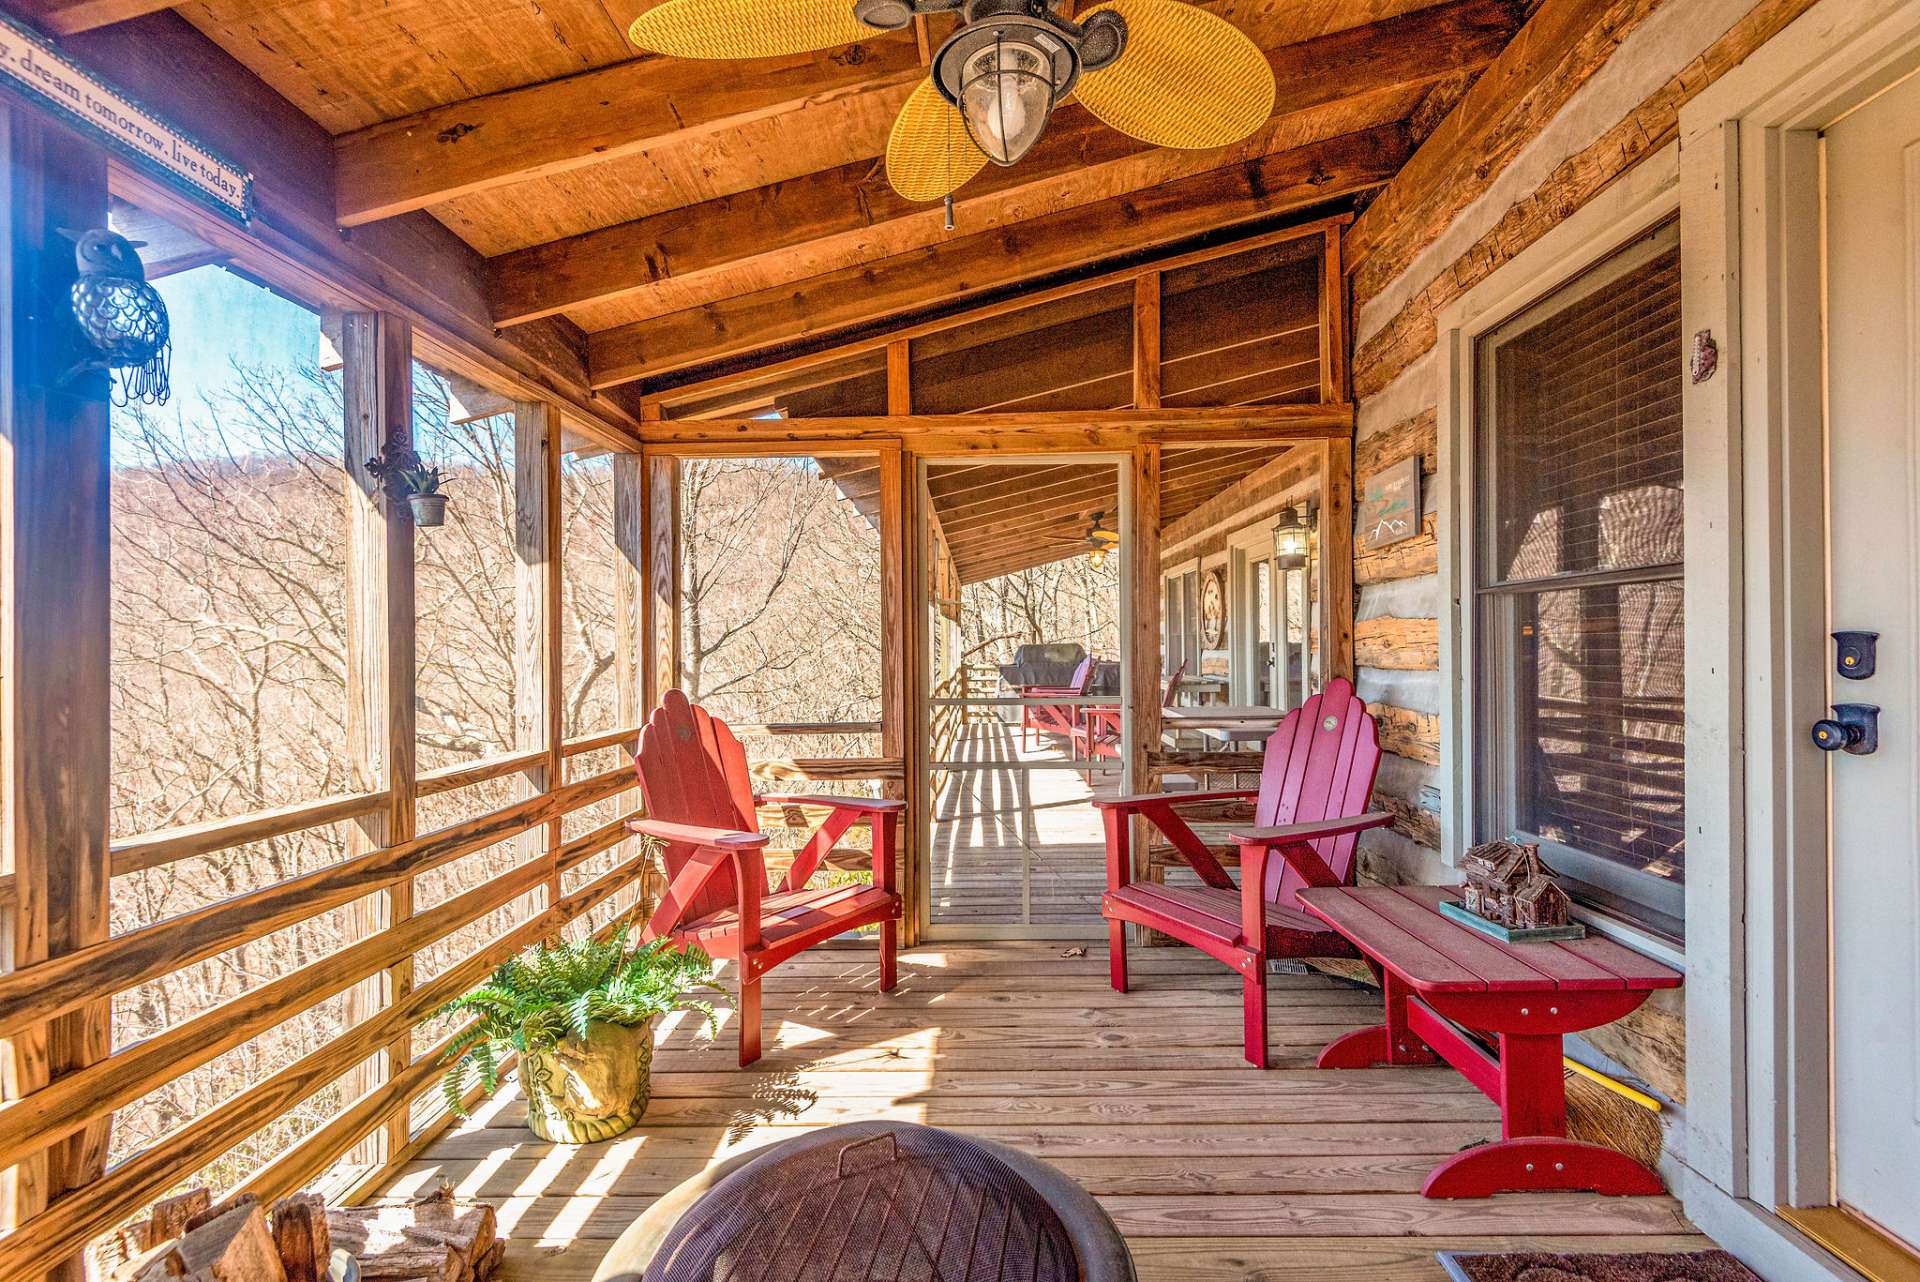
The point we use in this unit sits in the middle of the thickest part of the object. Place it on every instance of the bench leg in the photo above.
(1389, 1043)
(749, 1021)
(1540, 1163)
(1117, 953)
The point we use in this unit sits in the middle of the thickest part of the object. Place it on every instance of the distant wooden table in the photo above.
(1437, 974)
(1235, 723)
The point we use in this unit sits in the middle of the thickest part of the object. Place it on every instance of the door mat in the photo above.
(1643, 1266)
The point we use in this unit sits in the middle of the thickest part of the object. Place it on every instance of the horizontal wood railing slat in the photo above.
(41, 992)
(450, 778)
(57, 1110)
(604, 739)
(67, 1225)
(166, 845)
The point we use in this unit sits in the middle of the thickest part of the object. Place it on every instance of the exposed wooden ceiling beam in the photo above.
(548, 128)
(823, 220)
(1560, 46)
(410, 265)
(973, 264)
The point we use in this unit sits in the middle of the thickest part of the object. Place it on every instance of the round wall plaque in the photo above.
(1213, 609)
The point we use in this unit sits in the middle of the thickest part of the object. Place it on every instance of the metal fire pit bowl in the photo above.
(874, 1202)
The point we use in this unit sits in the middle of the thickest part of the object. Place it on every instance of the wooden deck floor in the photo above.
(1215, 1172)
(1017, 846)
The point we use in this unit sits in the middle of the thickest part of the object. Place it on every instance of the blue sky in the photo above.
(220, 320)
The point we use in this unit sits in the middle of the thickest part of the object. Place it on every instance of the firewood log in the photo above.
(390, 1239)
(300, 1233)
(235, 1246)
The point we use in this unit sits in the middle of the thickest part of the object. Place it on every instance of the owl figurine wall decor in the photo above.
(122, 316)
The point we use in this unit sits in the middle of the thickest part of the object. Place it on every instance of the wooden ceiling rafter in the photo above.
(953, 328)
(592, 117)
(972, 265)
(851, 207)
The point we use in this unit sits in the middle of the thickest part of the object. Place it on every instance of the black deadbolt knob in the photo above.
(1832, 736)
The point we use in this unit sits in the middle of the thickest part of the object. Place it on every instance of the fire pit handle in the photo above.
(893, 1150)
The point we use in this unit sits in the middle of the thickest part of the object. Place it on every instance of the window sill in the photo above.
(1661, 948)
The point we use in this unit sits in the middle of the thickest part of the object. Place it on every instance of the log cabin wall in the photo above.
(1587, 90)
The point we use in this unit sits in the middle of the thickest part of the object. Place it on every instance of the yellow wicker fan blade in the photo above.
(1187, 78)
(930, 152)
(746, 28)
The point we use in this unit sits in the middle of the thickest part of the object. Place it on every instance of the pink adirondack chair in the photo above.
(700, 804)
(1055, 718)
(1311, 807)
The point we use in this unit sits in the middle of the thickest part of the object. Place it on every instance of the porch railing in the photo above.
(76, 1101)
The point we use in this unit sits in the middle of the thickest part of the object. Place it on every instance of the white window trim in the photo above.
(1643, 198)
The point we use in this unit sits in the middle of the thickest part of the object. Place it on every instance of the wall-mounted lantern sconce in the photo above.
(1290, 536)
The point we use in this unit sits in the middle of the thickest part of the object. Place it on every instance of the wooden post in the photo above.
(1335, 564)
(899, 377)
(1140, 544)
(629, 614)
(1146, 342)
(901, 637)
(662, 622)
(901, 686)
(1335, 357)
(377, 393)
(536, 617)
(54, 634)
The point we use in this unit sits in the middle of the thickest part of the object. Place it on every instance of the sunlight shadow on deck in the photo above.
(1215, 1172)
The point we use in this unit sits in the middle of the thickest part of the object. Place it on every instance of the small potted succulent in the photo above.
(422, 488)
(580, 1015)
(403, 475)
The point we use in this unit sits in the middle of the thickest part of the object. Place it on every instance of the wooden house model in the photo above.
(1506, 882)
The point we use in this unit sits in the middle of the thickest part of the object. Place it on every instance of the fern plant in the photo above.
(533, 1001)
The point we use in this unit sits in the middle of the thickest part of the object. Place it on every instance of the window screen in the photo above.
(1577, 575)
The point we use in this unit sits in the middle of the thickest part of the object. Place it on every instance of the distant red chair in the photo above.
(1098, 734)
(1311, 807)
(1055, 718)
(700, 804)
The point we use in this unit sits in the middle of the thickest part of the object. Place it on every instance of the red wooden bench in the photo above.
(1310, 809)
(1436, 975)
(700, 806)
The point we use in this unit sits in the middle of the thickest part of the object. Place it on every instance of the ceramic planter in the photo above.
(582, 1091)
(428, 509)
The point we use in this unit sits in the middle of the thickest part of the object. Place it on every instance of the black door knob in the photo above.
(1853, 727)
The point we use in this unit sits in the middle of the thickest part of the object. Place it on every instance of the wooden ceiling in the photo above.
(682, 212)
(1001, 518)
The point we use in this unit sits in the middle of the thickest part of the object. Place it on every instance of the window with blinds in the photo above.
(1578, 619)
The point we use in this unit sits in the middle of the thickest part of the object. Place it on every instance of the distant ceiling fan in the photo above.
(1163, 71)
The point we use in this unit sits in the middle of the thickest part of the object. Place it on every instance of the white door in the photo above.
(1873, 399)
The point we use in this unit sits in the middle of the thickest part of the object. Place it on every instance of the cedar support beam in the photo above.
(54, 636)
(1334, 566)
(1140, 546)
(537, 695)
(376, 351)
(662, 613)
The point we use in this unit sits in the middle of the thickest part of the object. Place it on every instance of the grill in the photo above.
(874, 1202)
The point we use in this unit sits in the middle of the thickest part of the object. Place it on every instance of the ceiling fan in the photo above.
(1163, 71)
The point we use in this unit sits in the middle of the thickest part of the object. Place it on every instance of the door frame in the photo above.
(1758, 1127)
(920, 604)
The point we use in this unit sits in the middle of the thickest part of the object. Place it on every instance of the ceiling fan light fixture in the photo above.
(1007, 95)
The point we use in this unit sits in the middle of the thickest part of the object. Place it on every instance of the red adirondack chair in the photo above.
(1055, 718)
(1098, 734)
(700, 804)
(1310, 809)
